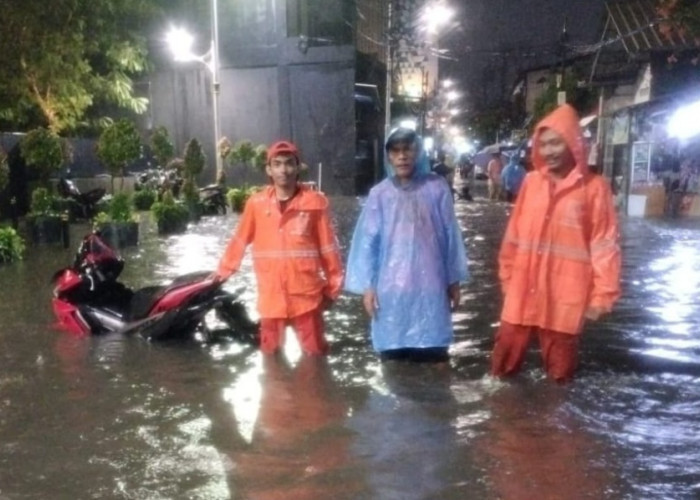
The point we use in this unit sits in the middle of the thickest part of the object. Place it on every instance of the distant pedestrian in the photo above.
(407, 257)
(493, 171)
(295, 254)
(559, 262)
(443, 170)
(512, 178)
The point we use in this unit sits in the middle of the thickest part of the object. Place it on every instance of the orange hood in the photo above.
(565, 121)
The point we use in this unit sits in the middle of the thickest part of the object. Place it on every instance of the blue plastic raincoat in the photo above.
(513, 175)
(408, 247)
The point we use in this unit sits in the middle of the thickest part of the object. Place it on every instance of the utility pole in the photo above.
(563, 39)
(389, 72)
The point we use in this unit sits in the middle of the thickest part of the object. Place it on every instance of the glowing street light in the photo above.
(435, 16)
(180, 43)
(683, 124)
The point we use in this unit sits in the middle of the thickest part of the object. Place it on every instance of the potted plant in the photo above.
(144, 198)
(11, 245)
(44, 221)
(237, 197)
(192, 165)
(119, 146)
(171, 216)
(162, 147)
(118, 225)
(44, 152)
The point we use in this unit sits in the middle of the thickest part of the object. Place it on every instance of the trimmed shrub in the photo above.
(11, 245)
(144, 199)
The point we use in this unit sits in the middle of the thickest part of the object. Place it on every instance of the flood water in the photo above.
(117, 417)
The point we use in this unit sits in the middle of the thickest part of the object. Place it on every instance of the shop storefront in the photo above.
(654, 158)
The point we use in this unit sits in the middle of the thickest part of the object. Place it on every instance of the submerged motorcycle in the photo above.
(88, 299)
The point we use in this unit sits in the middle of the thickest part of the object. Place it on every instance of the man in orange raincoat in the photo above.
(559, 262)
(295, 254)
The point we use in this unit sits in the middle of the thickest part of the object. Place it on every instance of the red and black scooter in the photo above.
(88, 299)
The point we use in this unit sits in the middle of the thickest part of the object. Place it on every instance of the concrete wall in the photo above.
(272, 87)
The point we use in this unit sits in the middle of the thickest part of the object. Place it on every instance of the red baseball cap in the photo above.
(282, 148)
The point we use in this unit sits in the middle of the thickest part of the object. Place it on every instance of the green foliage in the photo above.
(119, 210)
(43, 151)
(245, 153)
(492, 124)
(42, 203)
(581, 98)
(11, 245)
(162, 146)
(144, 198)
(118, 146)
(4, 170)
(237, 197)
(189, 191)
(63, 64)
(101, 219)
(170, 215)
(194, 159)
(685, 17)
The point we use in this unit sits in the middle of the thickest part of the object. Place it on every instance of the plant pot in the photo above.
(172, 226)
(45, 229)
(195, 211)
(120, 234)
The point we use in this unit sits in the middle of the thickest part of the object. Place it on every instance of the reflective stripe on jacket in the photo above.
(560, 254)
(295, 253)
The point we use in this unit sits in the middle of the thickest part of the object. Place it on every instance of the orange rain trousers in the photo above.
(308, 327)
(559, 351)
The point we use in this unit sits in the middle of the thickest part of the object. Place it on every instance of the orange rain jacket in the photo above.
(290, 252)
(560, 254)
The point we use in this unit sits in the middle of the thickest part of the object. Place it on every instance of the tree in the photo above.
(119, 145)
(60, 64)
(162, 146)
(44, 152)
(682, 17)
(581, 98)
(193, 165)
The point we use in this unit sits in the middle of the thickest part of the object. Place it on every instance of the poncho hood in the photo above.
(422, 164)
(565, 121)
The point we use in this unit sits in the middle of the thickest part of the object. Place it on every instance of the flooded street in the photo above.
(120, 418)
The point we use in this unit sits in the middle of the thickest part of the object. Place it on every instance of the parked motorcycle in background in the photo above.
(86, 202)
(160, 180)
(213, 199)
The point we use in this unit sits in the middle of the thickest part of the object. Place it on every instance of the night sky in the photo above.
(493, 40)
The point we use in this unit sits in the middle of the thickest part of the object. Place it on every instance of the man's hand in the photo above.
(595, 313)
(369, 300)
(455, 294)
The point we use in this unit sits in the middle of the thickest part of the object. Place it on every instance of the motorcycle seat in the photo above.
(143, 300)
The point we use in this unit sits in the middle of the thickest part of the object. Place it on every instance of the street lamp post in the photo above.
(180, 43)
(215, 87)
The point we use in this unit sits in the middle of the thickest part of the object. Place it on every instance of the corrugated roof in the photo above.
(642, 27)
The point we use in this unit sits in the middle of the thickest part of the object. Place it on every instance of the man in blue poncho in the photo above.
(512, 177)
(407, 256)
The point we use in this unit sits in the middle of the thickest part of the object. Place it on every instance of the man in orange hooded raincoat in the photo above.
(295, 254)
(559, 263)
